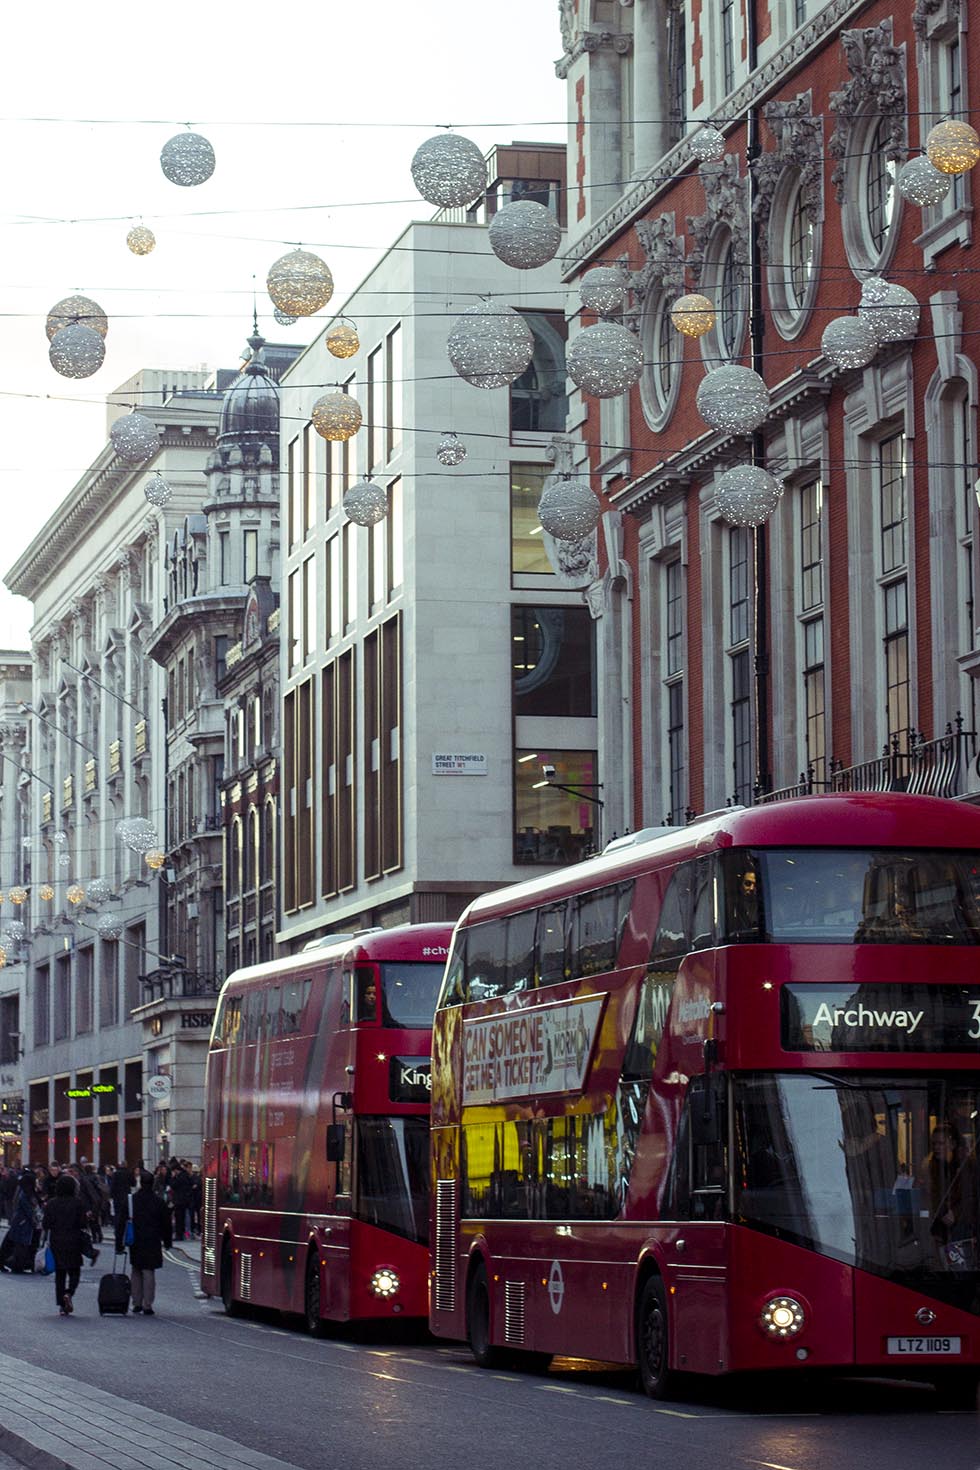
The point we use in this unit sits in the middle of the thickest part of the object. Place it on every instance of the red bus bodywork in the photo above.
(291, 1054)
(510, 1221)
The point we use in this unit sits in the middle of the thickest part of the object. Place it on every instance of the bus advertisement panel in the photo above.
(315, 1156)
(709, 1102)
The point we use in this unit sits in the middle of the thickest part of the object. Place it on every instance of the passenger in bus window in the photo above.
(949, 1175)
(367, 999)
(745, 903)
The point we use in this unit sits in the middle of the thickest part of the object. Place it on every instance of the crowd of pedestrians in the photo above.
(67, 1210)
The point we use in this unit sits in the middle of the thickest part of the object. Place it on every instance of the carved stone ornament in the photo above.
(567, 19)
(725, 196)
(799, 145)
(575, 563)
(619, 42)
(663, 269)
(877, 89)
(924, 12)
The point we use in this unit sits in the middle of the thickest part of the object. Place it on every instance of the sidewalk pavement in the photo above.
(40, 1415)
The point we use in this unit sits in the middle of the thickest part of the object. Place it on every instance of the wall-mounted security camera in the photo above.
(549, 772)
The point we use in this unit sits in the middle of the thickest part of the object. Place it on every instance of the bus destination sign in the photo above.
(529, 1052)
(410, 1079)
(894, 1018)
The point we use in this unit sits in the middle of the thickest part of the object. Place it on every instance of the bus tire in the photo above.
(653, 1341)
(227, 1279)
(478, 1321)
(315, 1325)
(957, 1388)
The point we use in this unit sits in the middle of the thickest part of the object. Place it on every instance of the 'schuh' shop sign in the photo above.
(529, 1052)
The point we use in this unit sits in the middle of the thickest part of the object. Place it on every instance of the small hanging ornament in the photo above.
(953, 146)
(450, 450)
(134, 437)
(524, 235)
(109, 927)
(490, 345)
(99, 890)
(603, 290)
(3, 956)
(76, 311)
(569, 509)
(46, 892)
(187, 159)
(342, 340)
(920, 182)
(336, 416)
(365, 503)
(605, 360)
(849, 342)
(449, 171)
(892, 317)
(75, 894)
(284, 319)
(299, 283)
(708, 145)
(157, 490)
(141, 240)
(64, 860)
(155, 859)
(17, 895)
(748, 495)
(60, 839)
(693, 315)
(17, 931)
(732, 398)
(136, 833)
(76, 351)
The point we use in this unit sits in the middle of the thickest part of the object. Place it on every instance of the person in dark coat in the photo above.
(180, 1190)
(21, 1240)
(151, 1232)
(120, 1188)
(65, 1219)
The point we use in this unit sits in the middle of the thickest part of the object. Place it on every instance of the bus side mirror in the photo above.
(708, 1114)
(336, 1140)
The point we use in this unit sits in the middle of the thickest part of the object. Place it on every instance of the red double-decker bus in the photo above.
(316, 1148)
(709, 1102)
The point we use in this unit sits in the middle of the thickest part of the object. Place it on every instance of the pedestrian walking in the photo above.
(121, 1187)
(8, 1188)
(65, 1220)
(180, 1190)
(151, 1232)
(21, 1240)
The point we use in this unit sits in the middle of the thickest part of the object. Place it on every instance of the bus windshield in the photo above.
(409, 992)
(851, 896)
(393, 1175)
(877, 1172)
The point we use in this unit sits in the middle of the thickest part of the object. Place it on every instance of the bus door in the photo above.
(697, 1248)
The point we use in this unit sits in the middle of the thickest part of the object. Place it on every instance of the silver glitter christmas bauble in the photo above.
(141, 240)
(708, 145)
(108, 926)
(17, 931)
(450, 450)
(157, 490)
(336, 416)
(449, 170)
(849, 342)
(893, 319)
(187, 159)
(490, 345)
(76, 309)
(299, 283)
(365, 503)
(524, 235)
(99, 890)
(603, 289)
(60, 839)
(920, 182)
(284, 319)
(76, 351)
(748, 495)
(732, 398)
(134, 438)
(569, 509)
(874, 289)
(138, 834)
(605, 360)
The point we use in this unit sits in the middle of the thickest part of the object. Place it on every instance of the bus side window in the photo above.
(485, 960)
(672, 939)
(652, 1006)
(520, 951)
(291, 1006)
(703, 907)
(453, 993)
(597, 928)
(552, 923)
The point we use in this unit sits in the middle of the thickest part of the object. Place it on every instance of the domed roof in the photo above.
(250, 409)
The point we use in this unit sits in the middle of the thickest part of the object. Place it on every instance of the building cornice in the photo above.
(769, 78)
(190, 613)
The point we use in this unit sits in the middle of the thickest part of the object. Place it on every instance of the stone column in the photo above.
(651, 84)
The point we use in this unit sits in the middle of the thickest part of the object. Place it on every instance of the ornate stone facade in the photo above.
(877, 88)
(799, 145)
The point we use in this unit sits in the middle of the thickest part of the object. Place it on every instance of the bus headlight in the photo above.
(782, 1317)
(384, 1282)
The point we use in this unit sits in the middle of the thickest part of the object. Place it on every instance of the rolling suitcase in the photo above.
(114, 1291)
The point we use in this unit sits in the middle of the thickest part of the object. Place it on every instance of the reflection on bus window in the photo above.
(408, 993)
(393, 1175)
(851, 896)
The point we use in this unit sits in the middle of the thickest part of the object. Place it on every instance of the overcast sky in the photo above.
(314, 112)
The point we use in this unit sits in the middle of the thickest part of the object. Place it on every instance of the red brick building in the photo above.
(734, 662)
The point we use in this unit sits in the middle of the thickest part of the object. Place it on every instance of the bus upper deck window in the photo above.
(366, 996)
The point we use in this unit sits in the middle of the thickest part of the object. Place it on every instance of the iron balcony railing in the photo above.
(946, 766)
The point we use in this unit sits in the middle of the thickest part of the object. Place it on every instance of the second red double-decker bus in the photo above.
(709, 1102)
(316, 1156)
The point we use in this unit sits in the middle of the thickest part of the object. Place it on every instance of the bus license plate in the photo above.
(903, 1346)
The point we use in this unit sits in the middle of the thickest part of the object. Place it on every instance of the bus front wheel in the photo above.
(315, 1324)
(478, 1321)
(653, 1341)
(228, 1301)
